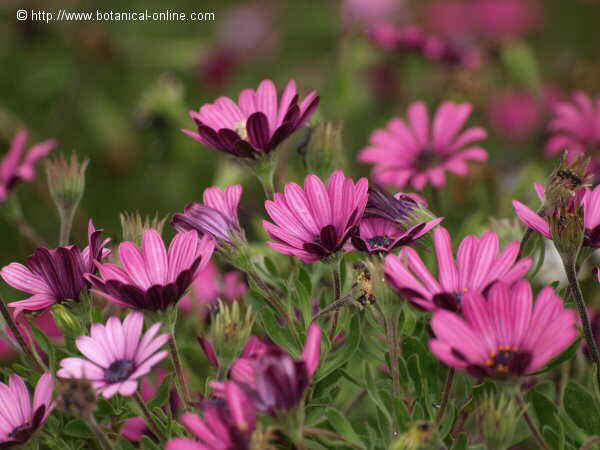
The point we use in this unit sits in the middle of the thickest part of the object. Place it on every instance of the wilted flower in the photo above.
(55, 275)
(315, 222)
(504, 335)
(13, 169)
(152, 278)
(479, 263)
(117, 355)
(227, 424)
(257, 124)
(419, 153)
(19, 418)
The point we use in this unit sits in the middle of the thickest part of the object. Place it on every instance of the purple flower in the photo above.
(257, 124)
(419, 153)
(575, 126)
(504, 335)
(227, 423)
(117, 355)
(591, 215)
(217, 216)
(314, 222)
(152, 278)
(13, 169)
(55, 275)
(19, 418)
(478, 264)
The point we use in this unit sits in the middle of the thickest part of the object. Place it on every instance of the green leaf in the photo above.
(77, 428)
(414, 371)
(125, 444)
(278, 333)
(343, 427)
(461, 442)
(545, 409)
(373, 392)
(343, 354)
(148, 444)
(563, 357)
(162, 394)
(271, 267)
(582, 408)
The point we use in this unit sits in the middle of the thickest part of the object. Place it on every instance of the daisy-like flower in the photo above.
(217, 216)
(257, 124)
(504, 335)
(117, 355)
(152, 278)
(315, 222)
(13, 169)
(418, 153)
(479, 263)
(575, 126)
(19, 418)
(55, 275)
(591, 216)
(226, 424)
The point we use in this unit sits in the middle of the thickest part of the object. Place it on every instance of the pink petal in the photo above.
(155, 256)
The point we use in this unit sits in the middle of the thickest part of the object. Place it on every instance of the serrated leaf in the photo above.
(343, 354)
(77, 428)
(343, 427)
(582, 408)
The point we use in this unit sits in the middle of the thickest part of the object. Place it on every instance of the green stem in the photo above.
(328, 434)
(534, 430)
(445, 395)
(149, 418)
(66, 223)
(180, 381)
(337, 292)
(100, 435)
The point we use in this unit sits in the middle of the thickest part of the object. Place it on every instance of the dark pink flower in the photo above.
(479, 263)
(153, 278)
(257, 124)
(419, 153)
(217, 216)
(116, 355)
(55, 275)
(504, 335)
(19, 418)
(14, 169)
(314, 222)
(575, 126)
(226, 423)
(591, 215)
(515, 115)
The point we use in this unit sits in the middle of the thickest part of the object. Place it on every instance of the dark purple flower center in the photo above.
(507, 360)
(118, 371)
(19, 431)
(426, 159)
(379, 242)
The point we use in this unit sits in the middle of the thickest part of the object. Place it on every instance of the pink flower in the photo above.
(152, 278)
(217, 216)
(515, 115)
(418, 153)
(117, 355)
(225, 425)
(479, 263)
(55, 275)
(257, 124)
(504, 335)
(591, 216)
(43, 321)
(13, 170)
(314, 222)
(19, 418)
(575, 126)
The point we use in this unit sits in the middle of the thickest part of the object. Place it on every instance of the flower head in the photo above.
(575, 126)
(153, 278)
(19, 418)
(227, 423)
(13, 169)
(55, 275)
(217, 216)
(479, 263)
(419, 153)
(504, 335)
(116, 355)
(257, 124)
(315, 222)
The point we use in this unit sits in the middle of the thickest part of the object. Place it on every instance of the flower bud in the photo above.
(70, 324)
(66, 181)
(567, 230)
(230, 330)
(323, 148)
(566, 181)
(133, 226)
(497, 418)
(76, 397)
(263, 437)
(421, 435)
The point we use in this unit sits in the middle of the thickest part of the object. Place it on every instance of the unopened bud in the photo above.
(263, 438)
(66, 181)
(133, 226)
(70, 324)
(567, 230)
(76, 397)
(323, 148)
(230, 330)
(498, 417)
(566, 181)
(421, 435)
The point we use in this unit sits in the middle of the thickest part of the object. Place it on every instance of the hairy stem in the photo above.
(534, 430)
(100, 435)
(337, 292)
(445, 395)
(148, 417)
(181, 383)
(66, 223)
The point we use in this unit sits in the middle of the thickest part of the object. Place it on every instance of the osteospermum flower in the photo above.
(217, 216)
(116, 355)
(314, 222)
(479, 263)
(504, 335)
(55, 275)
(257, 124)
(575, 126)
(152, 278)
(418, 153)
(13, 169)
(19, 418)
(225, 425)
(591, 216)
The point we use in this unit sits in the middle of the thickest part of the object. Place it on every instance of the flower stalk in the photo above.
(181, 383)
(105, 443)
(445, 395)
(148, 417)
(532, 427)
